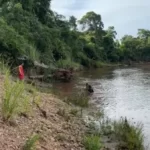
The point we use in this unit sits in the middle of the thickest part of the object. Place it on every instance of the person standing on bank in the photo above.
(21, 72)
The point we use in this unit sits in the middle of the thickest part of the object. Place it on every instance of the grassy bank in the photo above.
(41, 120)
(103, 133)
(30, 119)
(69, 64)
(119, 135)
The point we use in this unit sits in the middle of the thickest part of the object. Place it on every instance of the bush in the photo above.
(130, 134)
(13, 44)
(98, 64)
(74, 112)
(30, 143)
(78, 99)
(14, 100)
(92, 142)
(68, 64)
(3, 67)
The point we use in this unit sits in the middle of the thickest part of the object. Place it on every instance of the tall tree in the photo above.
(143, 34)
(27, 4)
(92, 21)
(111, 32)
(41, 8)
(73, 23)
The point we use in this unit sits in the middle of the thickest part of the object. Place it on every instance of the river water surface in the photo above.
(120, 92)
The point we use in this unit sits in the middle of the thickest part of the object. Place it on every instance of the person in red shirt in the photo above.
(21, 72)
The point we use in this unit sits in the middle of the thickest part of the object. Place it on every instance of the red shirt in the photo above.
(21, 72)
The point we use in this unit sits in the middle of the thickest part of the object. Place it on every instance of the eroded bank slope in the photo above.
(58, 130)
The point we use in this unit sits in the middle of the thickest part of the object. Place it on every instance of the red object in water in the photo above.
(21, 72)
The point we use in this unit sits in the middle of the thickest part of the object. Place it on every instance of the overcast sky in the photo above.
(125, 15)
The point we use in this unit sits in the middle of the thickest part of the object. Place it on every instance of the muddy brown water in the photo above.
(120, 92)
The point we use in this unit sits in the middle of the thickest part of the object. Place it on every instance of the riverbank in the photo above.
(58, 128)
(97, 65)
(61, 124)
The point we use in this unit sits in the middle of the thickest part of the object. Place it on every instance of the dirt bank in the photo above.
(58, 131)
(60, 128)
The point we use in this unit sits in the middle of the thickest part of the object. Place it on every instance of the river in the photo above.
(120, 92)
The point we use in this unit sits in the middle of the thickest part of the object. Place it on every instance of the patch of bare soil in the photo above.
(57, 132)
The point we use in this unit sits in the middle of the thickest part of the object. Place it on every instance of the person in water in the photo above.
(89, 88)
(21, 72)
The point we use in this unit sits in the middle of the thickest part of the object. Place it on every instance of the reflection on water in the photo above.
(120, 92)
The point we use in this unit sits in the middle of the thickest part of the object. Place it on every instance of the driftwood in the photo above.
(36, 77)
(63, 74)
(40, 77)
(40, 65)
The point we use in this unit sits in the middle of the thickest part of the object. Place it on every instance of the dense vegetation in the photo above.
(31, 28)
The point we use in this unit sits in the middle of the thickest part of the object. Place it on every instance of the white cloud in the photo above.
(125, 15)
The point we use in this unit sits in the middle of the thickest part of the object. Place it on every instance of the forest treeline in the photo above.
(33, 29)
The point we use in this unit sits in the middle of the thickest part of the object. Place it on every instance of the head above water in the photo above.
(89, 88)
(87, 84)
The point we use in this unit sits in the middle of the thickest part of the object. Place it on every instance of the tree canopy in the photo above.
(32, 28)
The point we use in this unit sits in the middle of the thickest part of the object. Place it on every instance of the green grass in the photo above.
(130, 134)
(100, 64)
(68, 64)
(31, 143)
(3, 66)
(74, 111)
(92, 142)
(78, 99)
(16, 42)
(63, 113)
(15, 100)
(34, 92)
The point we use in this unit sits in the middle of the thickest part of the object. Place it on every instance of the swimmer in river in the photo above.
(89, 88)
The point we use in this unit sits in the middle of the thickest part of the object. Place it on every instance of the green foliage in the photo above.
(73, 23)
(67, 64)
(74, 111)
(92, 142)
(34, 92)
(15, 100)
(92, 21)
(30, 27)
(3, 66)
(130, 134)
(78, 99)
(30, 143)
(13, 44)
